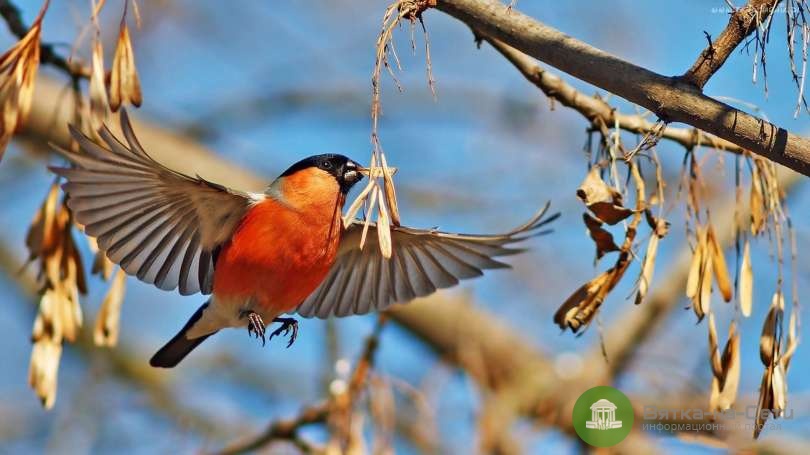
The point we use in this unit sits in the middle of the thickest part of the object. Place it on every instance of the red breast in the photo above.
(284, 245)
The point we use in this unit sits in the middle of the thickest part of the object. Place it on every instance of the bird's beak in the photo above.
(377, 171)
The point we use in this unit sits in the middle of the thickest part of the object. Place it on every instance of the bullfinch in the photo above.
(259, 255)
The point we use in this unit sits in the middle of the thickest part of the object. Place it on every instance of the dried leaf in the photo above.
(729, 383)
(602, 238)
(601, 199)
(42, 223)
(383, 227)
(779, 390)
(765, 403)
(125, 85)
(371, 206)
(579, 308)
(693, 279)
(43, 369)
(659, 226)
(759, 215)
(714, 349)
(792, 340)
(702, 302)
(714, 396)
(390, 191)
(101, 264)
(18, 69)
(647, 268)
(767, 341)
(99, 105)
(719, 265)
(105, 332)
(746, 281)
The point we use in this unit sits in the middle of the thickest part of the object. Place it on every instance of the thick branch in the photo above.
(742, 23)
(671, 99)
(597, 110)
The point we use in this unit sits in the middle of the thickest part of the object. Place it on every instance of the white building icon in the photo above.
(603, 416)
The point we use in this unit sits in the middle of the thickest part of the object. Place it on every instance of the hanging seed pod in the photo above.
(719, 266)
(767, 341)
(125, 85)
(745, 282)
(105, 332)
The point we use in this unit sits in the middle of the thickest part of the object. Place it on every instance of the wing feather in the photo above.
(158, 224)
(422, 261)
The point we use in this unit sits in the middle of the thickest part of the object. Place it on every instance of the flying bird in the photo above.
(259, 256)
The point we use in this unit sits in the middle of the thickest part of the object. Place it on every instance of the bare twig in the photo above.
(743, 22)
(285, 430)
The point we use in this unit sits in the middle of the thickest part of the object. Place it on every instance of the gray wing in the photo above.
(422, 261)
(160, 225)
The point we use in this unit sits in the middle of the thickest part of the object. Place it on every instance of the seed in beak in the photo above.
(376, 171)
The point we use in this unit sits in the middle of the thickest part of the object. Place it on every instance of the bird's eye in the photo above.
(326, 165)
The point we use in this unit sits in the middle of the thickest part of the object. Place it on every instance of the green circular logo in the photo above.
(603, 416)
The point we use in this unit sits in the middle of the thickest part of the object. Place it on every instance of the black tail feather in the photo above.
(178, 347)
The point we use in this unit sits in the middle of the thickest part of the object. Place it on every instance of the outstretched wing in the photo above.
(422, 261)
(160, 225)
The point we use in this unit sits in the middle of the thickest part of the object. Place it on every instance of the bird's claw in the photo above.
(287, 325)
(256, 326)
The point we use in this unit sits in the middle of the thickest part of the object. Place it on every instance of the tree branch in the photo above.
(285, 430)
(743, 22)
(671, 98)
(597, 110)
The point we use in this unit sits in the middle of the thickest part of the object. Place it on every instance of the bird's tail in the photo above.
(178, 347)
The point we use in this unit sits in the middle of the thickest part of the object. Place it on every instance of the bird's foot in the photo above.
(255, 325)
(287, 325)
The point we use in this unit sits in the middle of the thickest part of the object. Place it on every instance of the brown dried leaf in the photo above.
(18, 68)
(579, 308)
(730, 381)
(610, 213)
(767, 341)
(390, 191)
(35, 239)
(102, 265)
(792, 340)
(719, 265)
(714, 396)
(125, 85)
(693, 279)
(659, 226)
(765, 403)
(601, 199)
(759, 215)
(602, 238)
(746, 281)
(105, 332)
(702, 302)
(714, 350)
(779, 390)
(73, 255)
(647, 268)
(43, 369)
(99, 105)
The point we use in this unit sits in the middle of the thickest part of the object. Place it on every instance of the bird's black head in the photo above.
(344, 170)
